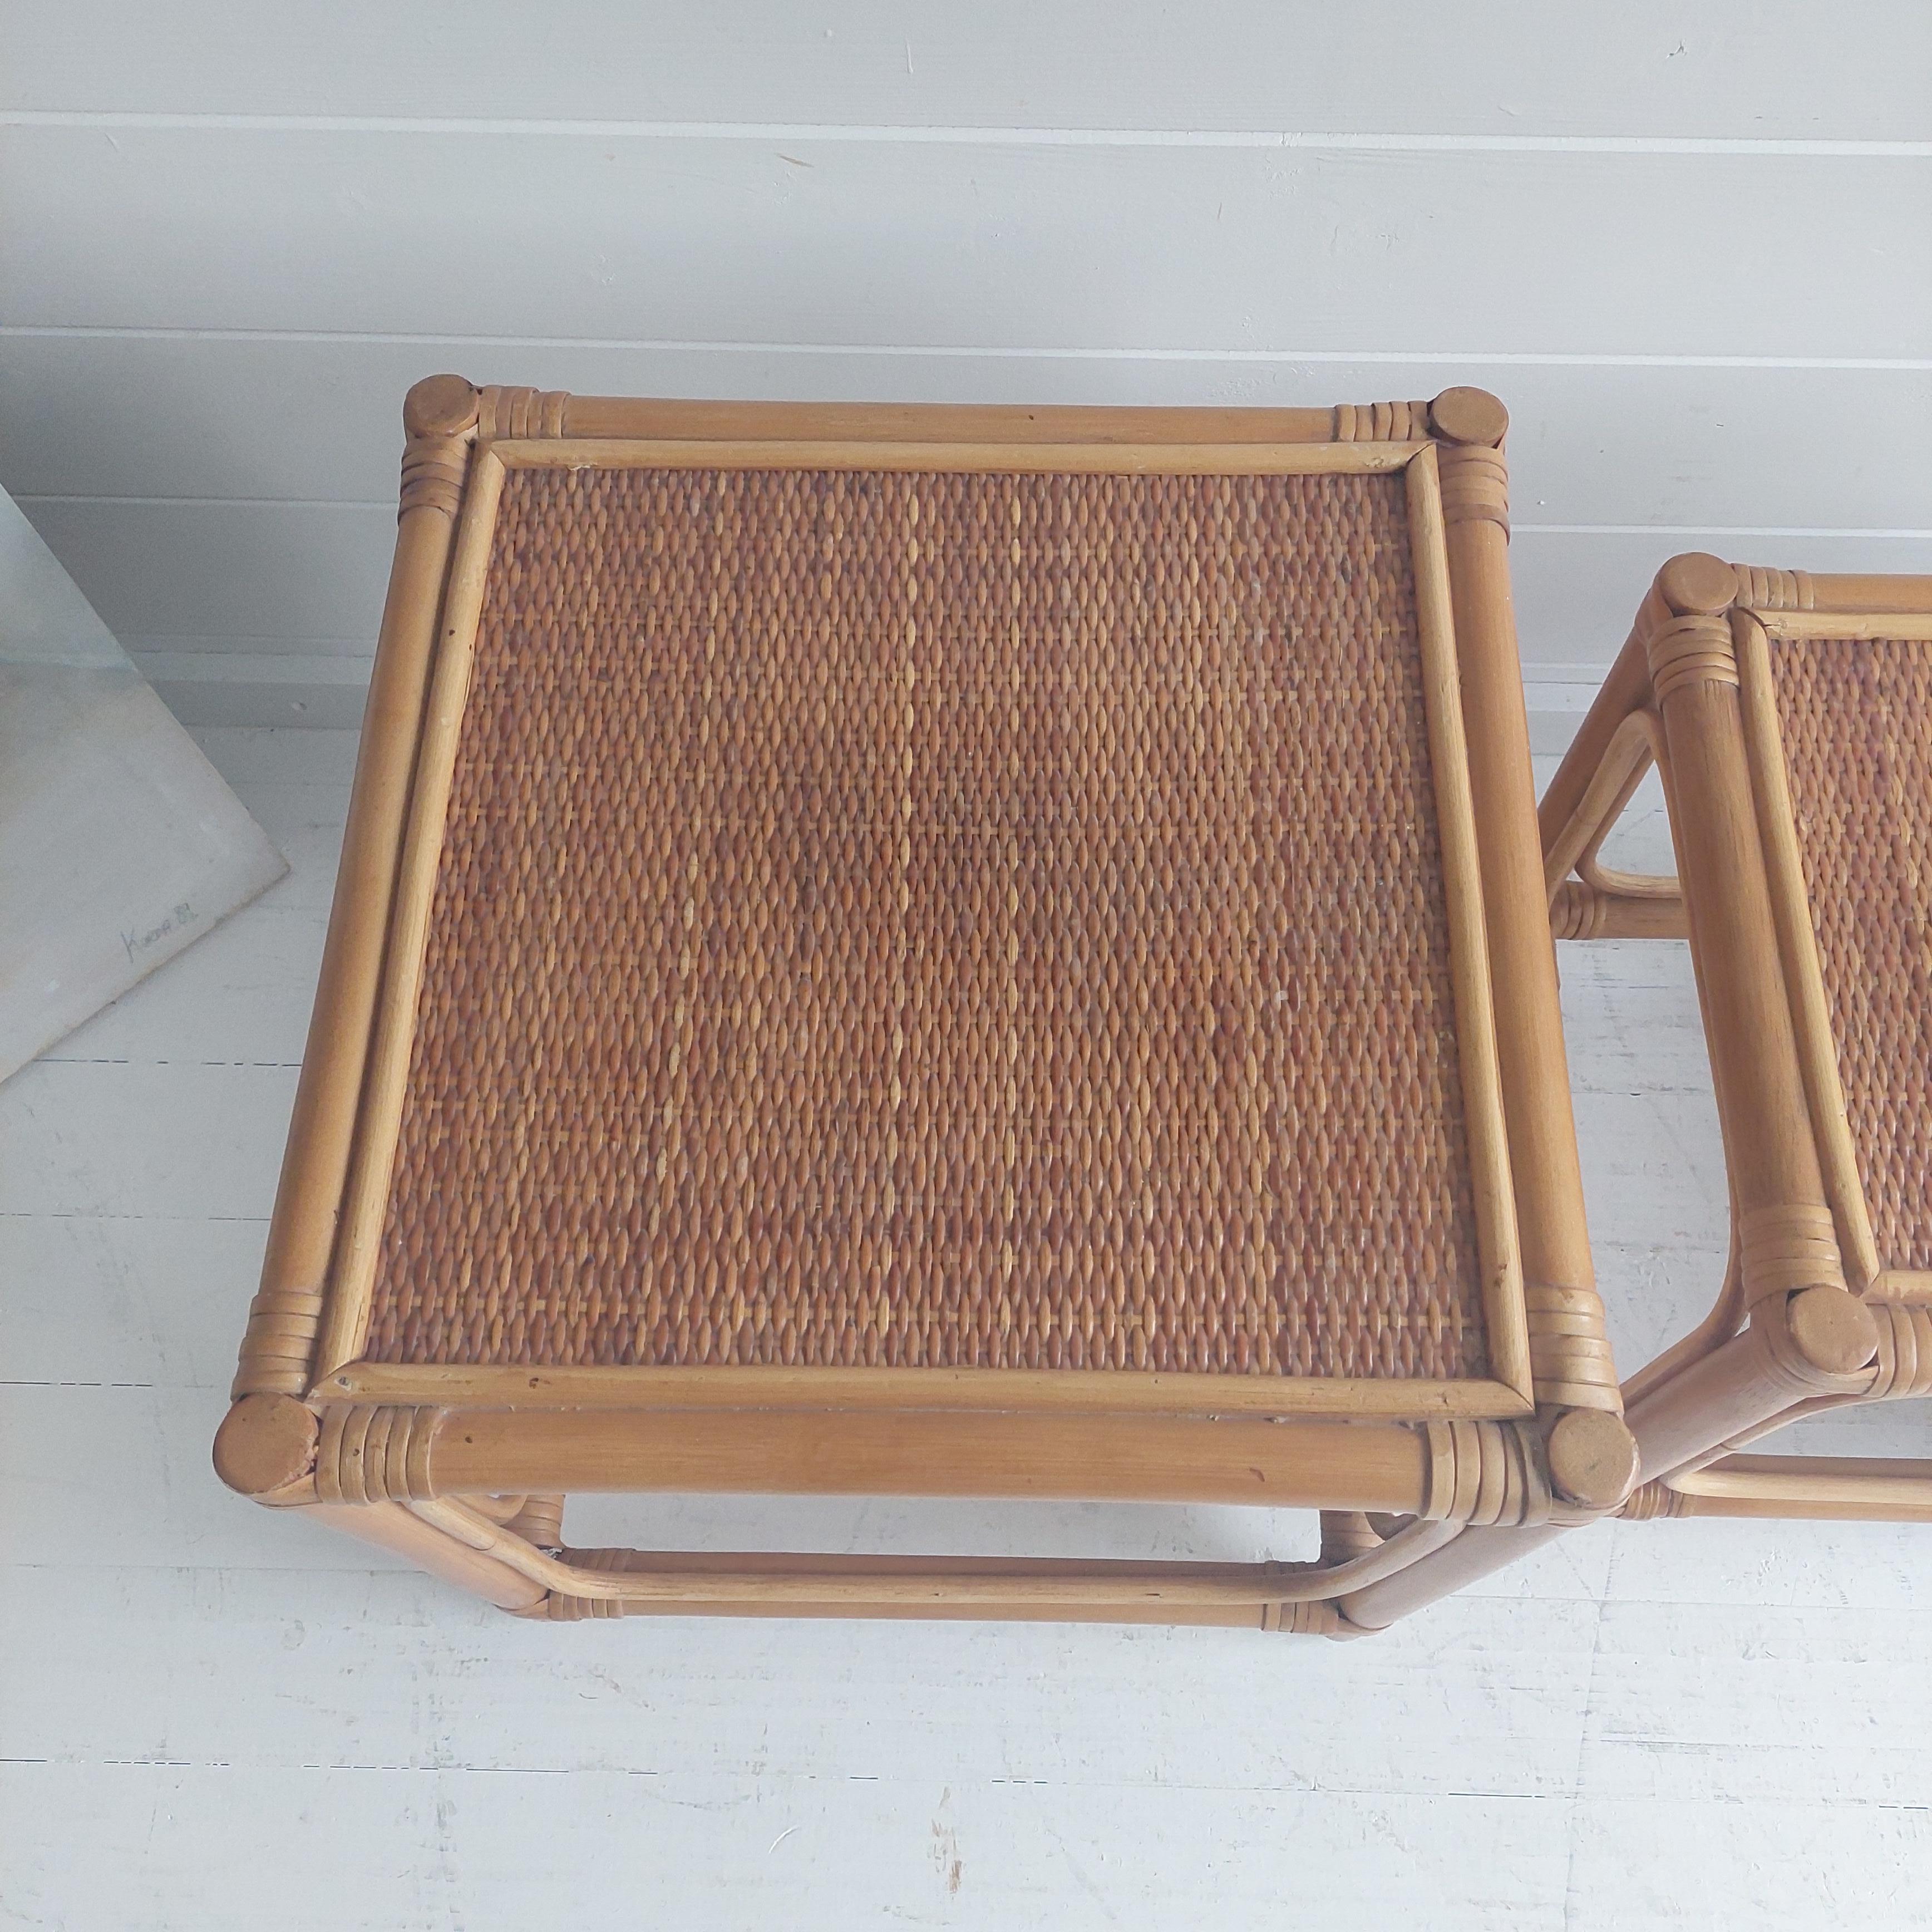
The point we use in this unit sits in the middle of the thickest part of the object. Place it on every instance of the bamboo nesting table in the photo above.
(1790, 717)
(983, 952)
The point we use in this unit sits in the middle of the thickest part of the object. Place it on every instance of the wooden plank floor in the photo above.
(210, 1718)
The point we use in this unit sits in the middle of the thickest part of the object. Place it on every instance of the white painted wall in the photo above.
(1691, 246)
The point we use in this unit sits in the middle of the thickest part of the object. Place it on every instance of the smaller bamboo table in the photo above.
(1790, 716)
(933, 951)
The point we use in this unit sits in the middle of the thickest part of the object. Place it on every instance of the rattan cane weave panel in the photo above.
(1855, 719)
(940, 919)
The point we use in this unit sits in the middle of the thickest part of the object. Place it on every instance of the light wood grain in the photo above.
(913, 1586)
(1843, 1488)
(1016, 1391)
(1768, 1140)
(1612, 753)
(1304, 1463)
(1506, 1331)
(1025, 458)
(1879, 605)
(365, 1188)
(636, 417)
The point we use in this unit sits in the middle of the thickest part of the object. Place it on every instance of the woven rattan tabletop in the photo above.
(1855, 721)
(947, 916)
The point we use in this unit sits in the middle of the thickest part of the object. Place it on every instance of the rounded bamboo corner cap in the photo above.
(264, 1443)
(1593, 1457)
(1469, 415)
(1697, 584)
(1834, 1330)
(439, 406)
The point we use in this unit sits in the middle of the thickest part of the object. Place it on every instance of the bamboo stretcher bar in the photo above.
(1579, 910)
(392, 1527)
(1474, 1554)
(1623, 692)
(462, 1545)
(671, 1577)
(1859, 1489)
(1626, 755)
(1318, 1619)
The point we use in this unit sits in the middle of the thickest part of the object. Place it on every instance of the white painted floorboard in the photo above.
(213, 1718)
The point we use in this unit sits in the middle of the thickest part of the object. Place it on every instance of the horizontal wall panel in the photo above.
(184, 576)
(264, 574)
(921, 244)
(313, 690)
(240, 417)
(1729, 68)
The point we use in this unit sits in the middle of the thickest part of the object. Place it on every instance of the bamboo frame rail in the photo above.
(1812, 1314)
(464, 1464)
(618, 1581)
(1853, 1489)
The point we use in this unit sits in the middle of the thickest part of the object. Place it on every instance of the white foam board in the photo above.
(120, 844)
